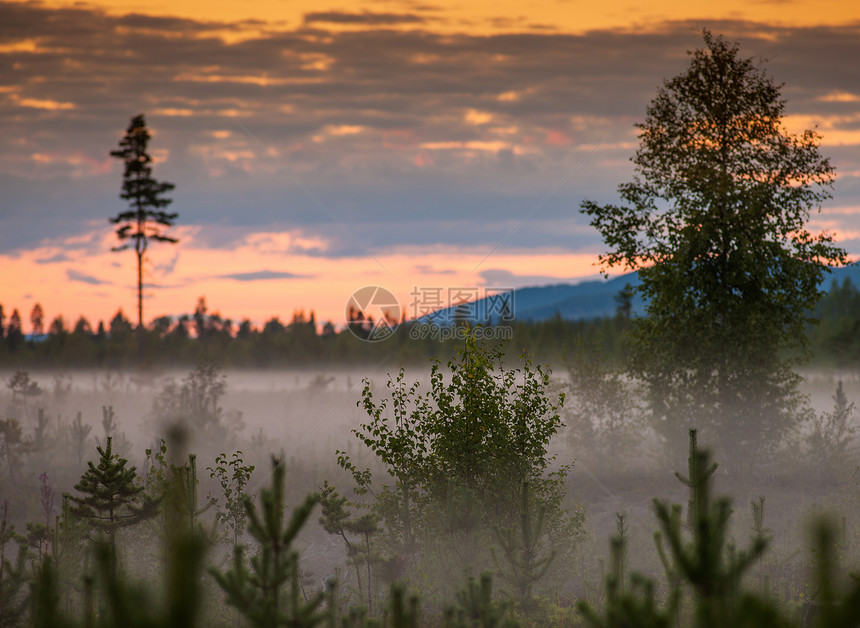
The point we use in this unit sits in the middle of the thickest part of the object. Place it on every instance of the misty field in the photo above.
(306, 417)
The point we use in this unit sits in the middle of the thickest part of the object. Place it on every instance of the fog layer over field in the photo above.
(306, 416)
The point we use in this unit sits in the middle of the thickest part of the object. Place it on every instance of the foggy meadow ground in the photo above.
(306, 416)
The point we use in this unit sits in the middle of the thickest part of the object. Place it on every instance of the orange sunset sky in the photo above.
(318, 147)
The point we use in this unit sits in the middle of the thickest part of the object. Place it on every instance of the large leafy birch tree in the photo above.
(716, 221)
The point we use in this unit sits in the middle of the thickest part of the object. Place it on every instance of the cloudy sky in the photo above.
(318, 147)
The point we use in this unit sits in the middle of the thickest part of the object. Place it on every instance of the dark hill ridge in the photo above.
(585, 300)
(589, 299)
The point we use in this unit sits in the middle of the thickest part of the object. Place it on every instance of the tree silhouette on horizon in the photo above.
(146, 218)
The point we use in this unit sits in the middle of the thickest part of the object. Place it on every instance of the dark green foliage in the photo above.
(45, 599)
(759, 530)
(701, 560)
(69, 589)
(526, 558)
(144, 194)
(835, 604)
(185, 504)
(402, 611)
(146, 218)
(131, 604)
(13, 574)
(38, 536)
(476, 608)
(68, 553)
(233, 475)
(706, 561)
(401, 445)
(185, 548)
(836, 337)
(488, 419)
(180, 483)
(624, 304)
(466, 430)
(336, 518)
(457, 455)
(832, 342)
(14, 444)
(266, 589)
(111, 496)
(760, 534)
(830, 435)
(14, 334)
(365, 527)
(628, 604)
(697, 480)
(715, 220)
(155, 469)
(124, 603)
(168, 342)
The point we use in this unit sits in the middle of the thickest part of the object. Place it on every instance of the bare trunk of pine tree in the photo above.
(140, 307)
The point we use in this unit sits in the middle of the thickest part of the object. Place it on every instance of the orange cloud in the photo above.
(557, 138)
(36, 103)
(481, 16)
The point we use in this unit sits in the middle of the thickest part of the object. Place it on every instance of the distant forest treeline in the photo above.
(182, 340)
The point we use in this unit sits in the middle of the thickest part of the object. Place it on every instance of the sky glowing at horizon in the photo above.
(318, 148)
